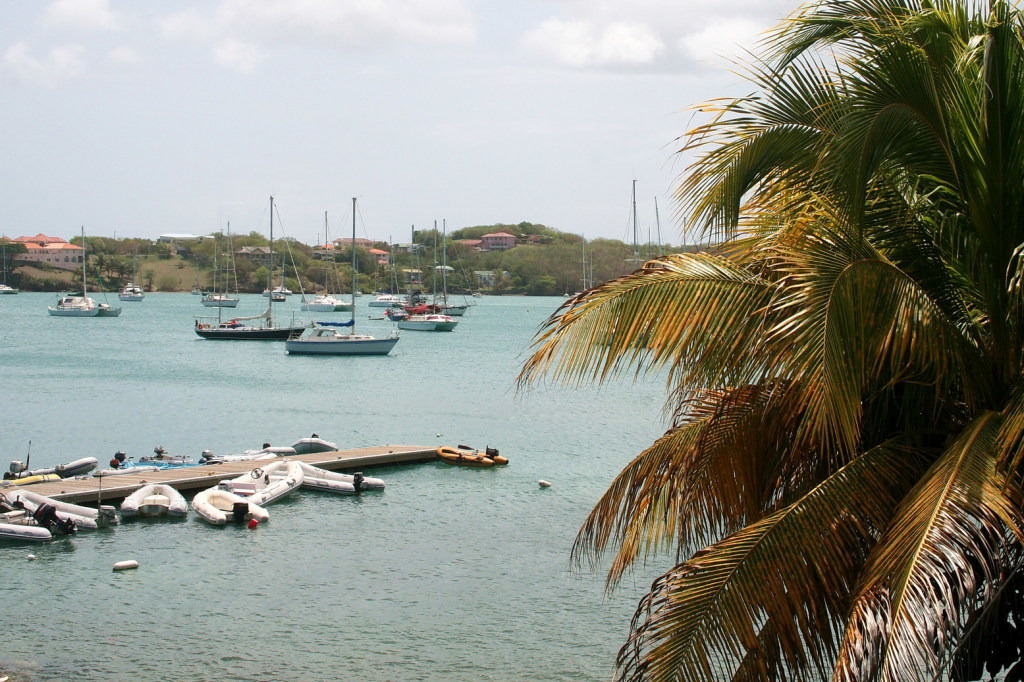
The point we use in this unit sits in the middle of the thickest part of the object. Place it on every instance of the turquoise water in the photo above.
(448, 574)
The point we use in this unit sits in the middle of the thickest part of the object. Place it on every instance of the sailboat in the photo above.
(132, 291)
(263, 328)
(323, 338)
(4, 287)
(79, 304)
(447, 307)
(325, 302)
(216, 298)
(429, 318)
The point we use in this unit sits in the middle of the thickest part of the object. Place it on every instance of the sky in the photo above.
(136, 119)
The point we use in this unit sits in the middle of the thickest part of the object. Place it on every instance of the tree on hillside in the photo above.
(840, 490)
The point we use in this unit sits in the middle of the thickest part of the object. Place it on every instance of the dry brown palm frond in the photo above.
(935, 566)
(781, 584)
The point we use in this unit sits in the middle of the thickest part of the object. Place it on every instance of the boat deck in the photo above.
(93, 490)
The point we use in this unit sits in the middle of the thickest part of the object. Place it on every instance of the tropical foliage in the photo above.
(843, 468)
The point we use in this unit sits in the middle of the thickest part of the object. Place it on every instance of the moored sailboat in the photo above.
(262, 327)
(79, 304)
(323, 338)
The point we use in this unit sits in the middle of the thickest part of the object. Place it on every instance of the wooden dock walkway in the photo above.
(93, 490)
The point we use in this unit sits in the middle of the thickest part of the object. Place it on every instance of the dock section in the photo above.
(94, 490)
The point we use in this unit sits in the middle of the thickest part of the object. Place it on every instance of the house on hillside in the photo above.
(475, 244)
(498, 241)
(52, 250)
(345, 242)
(260, 255)
(381, 256)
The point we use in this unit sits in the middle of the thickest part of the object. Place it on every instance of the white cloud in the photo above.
(238, 56)
(61, 63)
(721, 39)
(657, 34)
(583, 44)
(263, 24)
(82, 14)
(124, 55)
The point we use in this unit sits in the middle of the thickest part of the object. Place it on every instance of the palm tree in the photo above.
(841, 485)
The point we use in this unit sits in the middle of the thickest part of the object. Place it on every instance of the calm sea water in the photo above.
(449, 574)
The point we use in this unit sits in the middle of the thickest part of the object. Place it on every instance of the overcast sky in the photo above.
(136, 119)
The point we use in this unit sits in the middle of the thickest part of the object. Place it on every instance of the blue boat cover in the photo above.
(337, 324)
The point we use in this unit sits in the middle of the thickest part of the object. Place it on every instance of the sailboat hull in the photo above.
(339, 344)
(242, 333)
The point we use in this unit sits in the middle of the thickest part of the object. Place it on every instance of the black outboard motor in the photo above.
(491, 452)
(46, 516)
(357, 481)
(239, 510)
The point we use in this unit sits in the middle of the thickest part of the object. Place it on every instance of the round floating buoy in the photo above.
(126, 565)
(31, 557)
(543, 484)
(253, 523)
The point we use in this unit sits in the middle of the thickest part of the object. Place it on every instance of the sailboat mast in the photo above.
(270, 275)
(354, 277)
(85, 259)
(657, 222)
(636, 253)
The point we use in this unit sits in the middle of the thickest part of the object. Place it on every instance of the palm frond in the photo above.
(774, 578)
(935, 566)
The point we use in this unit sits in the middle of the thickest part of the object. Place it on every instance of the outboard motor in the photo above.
(239, 510)
(17, 468)
(491, 452)
(46, 516)
(107, 515)
(159, 451)
(357, 481)
(119, 455)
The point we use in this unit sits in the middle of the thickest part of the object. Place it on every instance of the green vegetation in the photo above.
(840, 493)
(544, 262)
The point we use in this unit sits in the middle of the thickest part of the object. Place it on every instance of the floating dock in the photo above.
(93, 490)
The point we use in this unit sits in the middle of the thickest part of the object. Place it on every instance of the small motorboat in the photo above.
(155, 499)
(306, 446)
(24, 532)
(19, 470)
(466, 457)
(217, 506)
(162, 459)
(488, 452)
(60, 517)
(29, 480)
(121, 464)
(334, 482)
(266, 484)
(267, 452)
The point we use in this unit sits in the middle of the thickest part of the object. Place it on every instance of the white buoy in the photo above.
(125, 565)
(543, 483)
(31, 557)
(437, 435)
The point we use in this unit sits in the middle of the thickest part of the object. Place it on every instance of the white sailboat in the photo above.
(325, 302)
(323, 338)
(221, 298)
(132, 291)
(430, 318)
(79, 304)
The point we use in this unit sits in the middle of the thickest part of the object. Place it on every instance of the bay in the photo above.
(448, 574)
